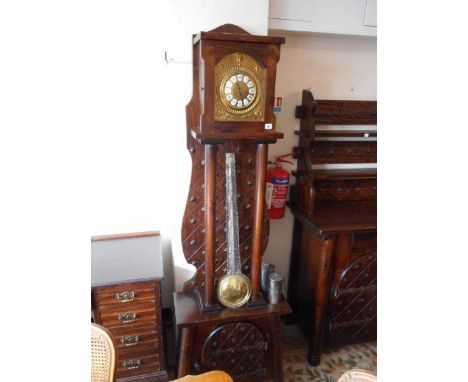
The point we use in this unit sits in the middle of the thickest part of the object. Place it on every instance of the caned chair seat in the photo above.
(102, 354)
(358, 375)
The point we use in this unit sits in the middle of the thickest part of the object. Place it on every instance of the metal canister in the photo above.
(275, 290)
(265, 274)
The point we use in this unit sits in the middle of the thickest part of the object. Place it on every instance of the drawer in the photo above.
(123, 294)
(128, 316)
(137, 364)
(147, 349)
(130, 339)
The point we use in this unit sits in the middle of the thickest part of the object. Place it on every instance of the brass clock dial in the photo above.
(239, 89)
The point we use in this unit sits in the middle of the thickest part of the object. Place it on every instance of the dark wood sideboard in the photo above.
(130, 308)
(333, 272)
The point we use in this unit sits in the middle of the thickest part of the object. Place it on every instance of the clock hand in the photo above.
(240, 91)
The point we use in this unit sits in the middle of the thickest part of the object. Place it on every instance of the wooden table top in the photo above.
(335, 217)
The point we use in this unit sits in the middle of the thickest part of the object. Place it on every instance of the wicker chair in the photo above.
(102, 354)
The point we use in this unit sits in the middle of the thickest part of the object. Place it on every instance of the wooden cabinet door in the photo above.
(352, 306)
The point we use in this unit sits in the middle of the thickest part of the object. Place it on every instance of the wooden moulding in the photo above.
(118, 236)
(231, 32)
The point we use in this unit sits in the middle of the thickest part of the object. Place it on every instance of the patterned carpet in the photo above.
(333, 363)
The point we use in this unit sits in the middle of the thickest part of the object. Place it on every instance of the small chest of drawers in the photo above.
(132, 313)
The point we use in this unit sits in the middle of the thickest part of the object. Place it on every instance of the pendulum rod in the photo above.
(232, 220)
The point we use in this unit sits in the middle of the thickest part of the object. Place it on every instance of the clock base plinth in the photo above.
(244, 342)
(204, 307)
(260, 301)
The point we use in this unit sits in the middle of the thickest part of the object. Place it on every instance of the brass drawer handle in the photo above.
(132, 364)
(126, 296)
(127, 317)
(129, 340)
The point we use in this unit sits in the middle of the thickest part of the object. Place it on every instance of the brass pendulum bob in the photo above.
(234, 288)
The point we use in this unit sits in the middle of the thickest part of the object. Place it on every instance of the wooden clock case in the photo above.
(208, 49)
(244, 342)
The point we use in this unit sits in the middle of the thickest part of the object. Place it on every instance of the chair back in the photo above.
(102, 354)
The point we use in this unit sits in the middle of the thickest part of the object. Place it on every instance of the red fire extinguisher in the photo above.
(277, 188)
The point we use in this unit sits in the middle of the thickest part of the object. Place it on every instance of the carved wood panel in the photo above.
(239, 348)
(193, 229)
(352, 311)
(323, 152)
(332, 112)
(349, 189)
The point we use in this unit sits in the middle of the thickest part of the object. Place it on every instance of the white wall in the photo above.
(141, 168)
(331, 67)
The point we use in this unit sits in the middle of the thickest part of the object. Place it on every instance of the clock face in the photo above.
(239, 86)
(240, 91)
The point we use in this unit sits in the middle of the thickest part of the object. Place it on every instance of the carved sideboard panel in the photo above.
(352, 308)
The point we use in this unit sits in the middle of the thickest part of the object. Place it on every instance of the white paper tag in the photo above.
(268, 126)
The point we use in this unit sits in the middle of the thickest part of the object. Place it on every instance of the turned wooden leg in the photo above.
(185, 348)
(313, 359)
(277, 351)
(321, 303)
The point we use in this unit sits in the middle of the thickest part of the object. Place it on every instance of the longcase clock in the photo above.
(222, 318)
